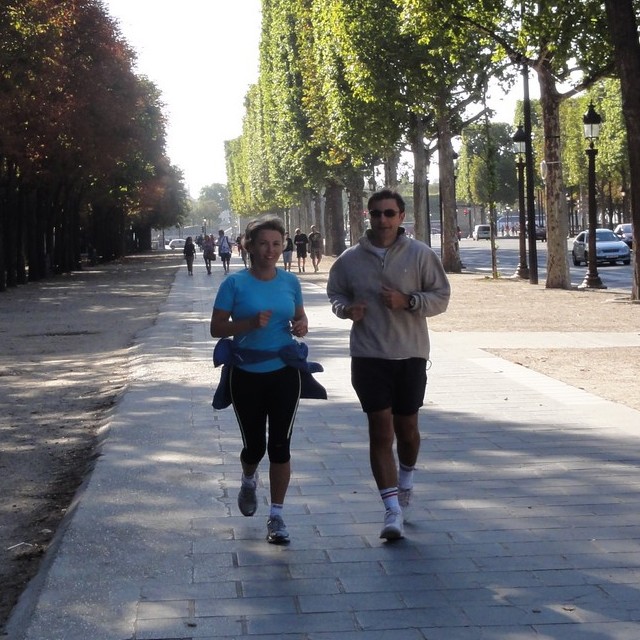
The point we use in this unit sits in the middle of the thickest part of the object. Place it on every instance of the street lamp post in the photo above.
(519, 146)
(427, 213)
(571, 204)
(531, 204)
(592, 122)
(455, 193)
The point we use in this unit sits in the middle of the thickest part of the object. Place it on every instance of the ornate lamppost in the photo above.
(592, 122)
(519, 147)
(531, 203)
(571, 203)
(427, 213)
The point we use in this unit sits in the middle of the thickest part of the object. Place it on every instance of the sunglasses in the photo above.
(388, 213)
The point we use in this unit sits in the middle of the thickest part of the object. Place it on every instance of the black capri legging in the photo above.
(259, 398)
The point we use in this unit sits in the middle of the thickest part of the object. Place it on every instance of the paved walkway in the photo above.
(527, 523)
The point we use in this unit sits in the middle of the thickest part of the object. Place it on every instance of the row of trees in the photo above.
(486, 165)
(347, 85)
(82, 142)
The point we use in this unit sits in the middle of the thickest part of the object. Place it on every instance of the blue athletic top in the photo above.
(244, 296)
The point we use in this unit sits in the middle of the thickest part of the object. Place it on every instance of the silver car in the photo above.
(625, 233)
(609, 248)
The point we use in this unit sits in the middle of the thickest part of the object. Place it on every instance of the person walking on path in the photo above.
(287, 254)
(242, 252)
(315, 248)
(301, 241)
(262, 308)
(387, 285)
(224, 249)
(189, 252)
(208, 252)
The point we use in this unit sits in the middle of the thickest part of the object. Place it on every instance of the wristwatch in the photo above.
(413, 303)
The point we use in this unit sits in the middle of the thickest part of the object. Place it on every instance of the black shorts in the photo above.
(396, 384)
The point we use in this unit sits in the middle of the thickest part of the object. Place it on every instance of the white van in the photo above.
(482, 232)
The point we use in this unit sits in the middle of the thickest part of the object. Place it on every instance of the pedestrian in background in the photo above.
(387, 285)
(315, 248)
(287, 254)
(301, 241)
(242, 252)
(262, 309)
(208, 252)
(189, 252)
(224, 249)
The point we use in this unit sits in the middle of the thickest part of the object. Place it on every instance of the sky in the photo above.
(203, 56)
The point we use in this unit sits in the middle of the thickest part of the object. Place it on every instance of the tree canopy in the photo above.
(82, 141)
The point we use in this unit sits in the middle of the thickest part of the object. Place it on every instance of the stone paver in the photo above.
(526, 524)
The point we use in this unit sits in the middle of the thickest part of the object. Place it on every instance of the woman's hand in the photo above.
(300, 327)
(222, 327)
(262, 319)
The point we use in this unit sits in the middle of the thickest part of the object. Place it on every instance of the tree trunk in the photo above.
(558, 276)
(3, 227)
(420, 165)
(307, 208)
(334, 220)
(448, 234)
(391, 170)
(355, 189)
(317, 213)
(624, 35)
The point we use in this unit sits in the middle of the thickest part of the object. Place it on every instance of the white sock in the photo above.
(390, 498)
(405, 477)
(276, 510)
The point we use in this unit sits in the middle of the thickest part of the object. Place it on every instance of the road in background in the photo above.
(476, 256)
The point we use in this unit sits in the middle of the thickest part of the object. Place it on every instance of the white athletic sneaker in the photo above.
(404, 498)
(393, 525)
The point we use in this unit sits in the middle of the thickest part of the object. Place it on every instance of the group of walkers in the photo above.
(304, 245)
(209, 244)
(386, 285)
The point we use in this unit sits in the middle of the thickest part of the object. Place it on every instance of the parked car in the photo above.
(482, 232)
(609, 248)
(625, 233)
(541, 233)
(177, 243)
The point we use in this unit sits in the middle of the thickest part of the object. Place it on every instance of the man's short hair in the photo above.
(386, 194)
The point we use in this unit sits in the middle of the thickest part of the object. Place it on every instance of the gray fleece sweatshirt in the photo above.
(409, 266)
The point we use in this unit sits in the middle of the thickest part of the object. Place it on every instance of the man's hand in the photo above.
(393, 299)
(356, 311)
